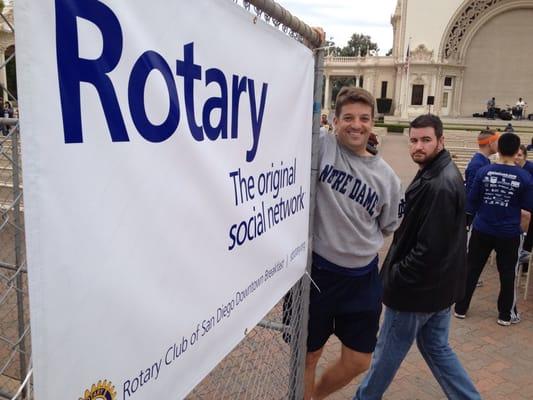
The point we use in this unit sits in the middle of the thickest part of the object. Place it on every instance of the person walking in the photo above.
(499, 194)
(424, 271)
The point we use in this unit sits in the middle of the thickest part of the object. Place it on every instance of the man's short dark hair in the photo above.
(428, 120)
(352, 94)
(508, 144)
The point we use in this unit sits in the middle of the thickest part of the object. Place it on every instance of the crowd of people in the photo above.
(427, 268)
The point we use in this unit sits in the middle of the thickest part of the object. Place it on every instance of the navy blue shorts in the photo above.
(347, 306)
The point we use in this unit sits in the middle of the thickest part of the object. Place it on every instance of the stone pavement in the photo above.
(498, 359)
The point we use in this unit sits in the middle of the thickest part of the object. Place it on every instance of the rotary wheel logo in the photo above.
(103, 390)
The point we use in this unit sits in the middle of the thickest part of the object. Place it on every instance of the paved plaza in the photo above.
(499, 359)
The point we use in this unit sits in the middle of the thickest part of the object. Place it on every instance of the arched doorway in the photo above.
(498, 61)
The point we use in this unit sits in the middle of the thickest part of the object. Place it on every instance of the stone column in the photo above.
(405, 96)
(398, 92)
(458, 94)
(439, 91)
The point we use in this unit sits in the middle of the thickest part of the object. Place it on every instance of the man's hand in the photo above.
(320, 33)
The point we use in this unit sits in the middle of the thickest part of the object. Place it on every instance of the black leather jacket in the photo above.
(425, 268)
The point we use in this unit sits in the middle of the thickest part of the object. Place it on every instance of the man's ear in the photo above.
(441, 142)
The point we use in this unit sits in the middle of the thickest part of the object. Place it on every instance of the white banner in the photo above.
(166, 153)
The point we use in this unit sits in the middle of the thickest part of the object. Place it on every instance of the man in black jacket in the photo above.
(424, 272)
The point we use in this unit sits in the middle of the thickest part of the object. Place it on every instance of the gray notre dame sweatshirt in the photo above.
(359, 200)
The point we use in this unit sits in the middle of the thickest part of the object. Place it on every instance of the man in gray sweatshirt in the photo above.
(359, 201)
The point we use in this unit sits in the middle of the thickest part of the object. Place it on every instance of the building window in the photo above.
(448, 81)
(384, 89)
(445, 100)
(361, 81)
(417, 95)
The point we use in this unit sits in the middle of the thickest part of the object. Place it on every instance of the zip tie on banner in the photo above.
(313, 282)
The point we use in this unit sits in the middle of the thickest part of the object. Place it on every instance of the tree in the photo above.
(338, 82)
(358, 44)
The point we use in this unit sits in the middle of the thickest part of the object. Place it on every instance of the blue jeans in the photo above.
(397, 334)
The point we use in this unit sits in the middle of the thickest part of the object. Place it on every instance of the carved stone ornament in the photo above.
(418, 79)
(422, 53)
(470, 13)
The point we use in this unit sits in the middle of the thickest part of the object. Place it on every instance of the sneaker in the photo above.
(515, 319)
(460, 316)
(524, 257)
(479, 283)
(503, 322)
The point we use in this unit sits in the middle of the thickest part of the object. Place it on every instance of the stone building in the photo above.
(461, 53)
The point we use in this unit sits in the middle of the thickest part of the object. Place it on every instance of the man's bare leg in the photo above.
(311, 361)
(350, 364)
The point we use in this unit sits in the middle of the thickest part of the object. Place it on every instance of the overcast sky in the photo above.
(341, 18)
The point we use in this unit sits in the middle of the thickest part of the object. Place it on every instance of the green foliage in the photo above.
(358, 44)
(397, 128)
(338, 82)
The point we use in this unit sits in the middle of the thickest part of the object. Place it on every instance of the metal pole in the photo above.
(302, 288)
(18, 253)
(280, 14)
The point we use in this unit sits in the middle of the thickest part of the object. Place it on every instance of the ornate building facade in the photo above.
(461, 53)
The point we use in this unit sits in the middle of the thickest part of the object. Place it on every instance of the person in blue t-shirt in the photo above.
(522, 161)
(498, 194)
(488, 145)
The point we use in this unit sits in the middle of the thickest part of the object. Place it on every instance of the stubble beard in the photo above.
(427, 159)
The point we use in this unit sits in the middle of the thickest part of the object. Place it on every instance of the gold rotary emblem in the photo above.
(103, 390)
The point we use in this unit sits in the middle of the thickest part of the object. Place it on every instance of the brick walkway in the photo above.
(498, 359)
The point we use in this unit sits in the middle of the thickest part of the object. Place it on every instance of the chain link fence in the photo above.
(267, 364)
(15, 346)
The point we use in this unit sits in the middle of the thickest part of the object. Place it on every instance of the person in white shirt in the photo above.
(520, 106)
